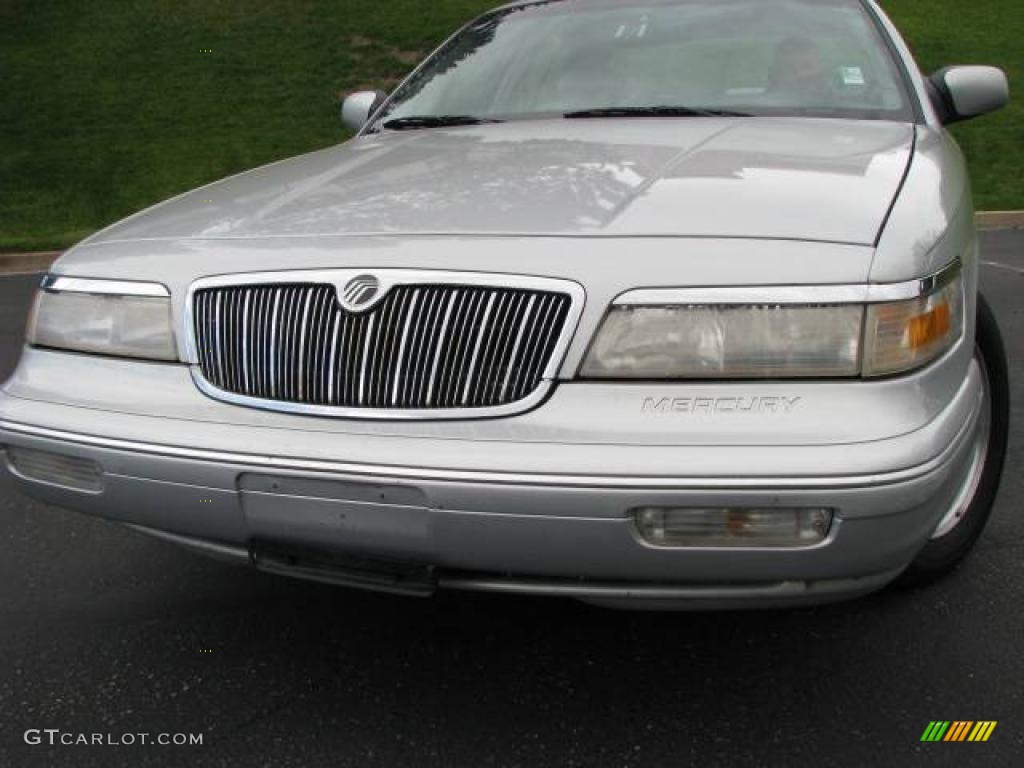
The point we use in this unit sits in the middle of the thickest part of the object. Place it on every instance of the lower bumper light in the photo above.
(733, 528)
(54, 469)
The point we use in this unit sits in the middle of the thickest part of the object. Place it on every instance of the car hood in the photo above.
(799, 179)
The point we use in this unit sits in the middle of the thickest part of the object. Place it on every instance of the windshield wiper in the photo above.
(434, 121)
(653, 112)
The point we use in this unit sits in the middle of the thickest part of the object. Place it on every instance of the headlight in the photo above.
(660, 335)
(727, 342)
(105, 317)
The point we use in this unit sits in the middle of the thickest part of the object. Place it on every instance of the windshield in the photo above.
(614, 58)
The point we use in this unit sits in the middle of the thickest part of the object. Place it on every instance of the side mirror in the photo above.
(359, 107)
(960, 93)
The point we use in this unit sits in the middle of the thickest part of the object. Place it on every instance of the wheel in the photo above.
(961, 526)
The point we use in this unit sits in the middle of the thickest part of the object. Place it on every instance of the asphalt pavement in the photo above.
(106, 631)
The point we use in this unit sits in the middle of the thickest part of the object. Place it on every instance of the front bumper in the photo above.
(412, 525)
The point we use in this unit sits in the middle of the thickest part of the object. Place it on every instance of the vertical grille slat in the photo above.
(491, 385)
(333, 360)
(266, 350)
(202, 329)
(216, 338)
(316, 347)
(230, 341)
(293, 334)
(490, 380)
(430, 347)
(481, 329)
(426, 340)
(326, 325)
(364, 365)
(510, 367)
(462, 347)
(245, 341)
(258, 345)
(541, 317)
(399, 372)
(223, 340)
(442, 342)
(346, 360)
(300, 365)
(272, 350)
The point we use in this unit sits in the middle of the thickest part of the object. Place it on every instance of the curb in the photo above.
(13, 263)
(1000, 220)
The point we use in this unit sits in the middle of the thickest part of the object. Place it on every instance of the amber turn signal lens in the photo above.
(905, 335)
(930, 327)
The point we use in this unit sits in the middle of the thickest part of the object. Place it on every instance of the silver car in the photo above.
(656, 303)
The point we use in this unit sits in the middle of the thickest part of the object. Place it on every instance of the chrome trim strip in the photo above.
(421, 414)
(224, 551)
(615, 591)
(567, 588)
(875, 293)
(554, 587)
(62, 284)
(389, 278)
(422, 474)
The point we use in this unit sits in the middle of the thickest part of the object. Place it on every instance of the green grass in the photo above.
(111, 105)
(943, 32)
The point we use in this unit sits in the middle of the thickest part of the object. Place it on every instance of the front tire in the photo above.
(959, 529)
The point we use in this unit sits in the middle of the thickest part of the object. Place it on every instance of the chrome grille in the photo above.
(424, 347)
